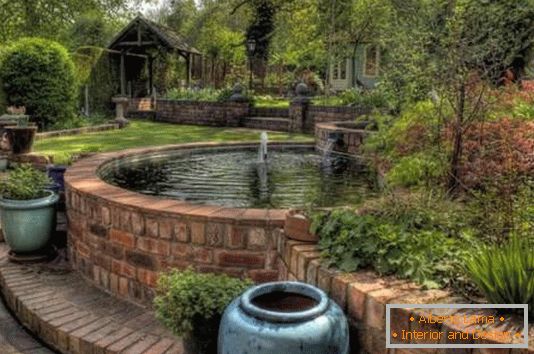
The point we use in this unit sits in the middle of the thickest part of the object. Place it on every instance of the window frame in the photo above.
(365, 60)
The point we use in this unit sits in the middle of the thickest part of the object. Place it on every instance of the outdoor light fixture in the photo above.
(251, 47)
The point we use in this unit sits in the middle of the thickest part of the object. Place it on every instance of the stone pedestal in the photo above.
(298, 108)
(121, 106)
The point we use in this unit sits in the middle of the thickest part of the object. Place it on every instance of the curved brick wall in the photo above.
(351, 139)
(120, 239)
(363, 296)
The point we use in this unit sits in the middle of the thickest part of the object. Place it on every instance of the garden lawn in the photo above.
(277, 102)
(145, 133)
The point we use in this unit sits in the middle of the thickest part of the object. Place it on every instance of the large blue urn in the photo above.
(283, 317)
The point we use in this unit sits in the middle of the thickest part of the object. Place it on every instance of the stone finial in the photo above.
(302, 92)
(237, 94)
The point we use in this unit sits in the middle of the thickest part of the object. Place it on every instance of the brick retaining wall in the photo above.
(363, 297)
(326, 114)
(140, 104)
(303, 117)
(226, 114)
(350, 140)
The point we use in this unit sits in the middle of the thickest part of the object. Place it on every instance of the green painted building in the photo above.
(363, 70)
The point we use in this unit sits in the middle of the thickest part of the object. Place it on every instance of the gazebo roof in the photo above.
(164, 35)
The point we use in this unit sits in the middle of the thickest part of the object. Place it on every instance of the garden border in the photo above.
(77, 131)
(363, 297)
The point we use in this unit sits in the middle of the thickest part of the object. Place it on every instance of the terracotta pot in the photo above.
(297, 227)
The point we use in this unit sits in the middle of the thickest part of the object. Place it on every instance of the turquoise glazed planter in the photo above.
(27, 224)
(283, 317)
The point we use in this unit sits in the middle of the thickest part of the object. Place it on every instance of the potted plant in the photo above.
(191, 305)
(27, 209)
(297, 227)
(21, 136)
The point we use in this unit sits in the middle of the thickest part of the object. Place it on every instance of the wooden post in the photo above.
(189, 67)
(123, 75)
(86, 101)
(150, 73)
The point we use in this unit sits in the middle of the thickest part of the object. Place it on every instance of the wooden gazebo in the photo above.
(140, 43)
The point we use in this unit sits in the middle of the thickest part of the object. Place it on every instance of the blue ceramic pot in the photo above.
(28, 224)
(283, 317)
(56, 173)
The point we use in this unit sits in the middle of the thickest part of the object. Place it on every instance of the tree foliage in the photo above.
(48, 18)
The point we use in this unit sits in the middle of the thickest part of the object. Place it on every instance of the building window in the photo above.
(371, 62)
(340, 70)
(343, 70)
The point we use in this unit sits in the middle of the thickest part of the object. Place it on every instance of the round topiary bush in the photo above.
(39, 74)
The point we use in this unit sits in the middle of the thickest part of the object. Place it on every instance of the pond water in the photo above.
(291, 177)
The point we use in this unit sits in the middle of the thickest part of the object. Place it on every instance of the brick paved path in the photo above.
(14, 339)
(74, 317)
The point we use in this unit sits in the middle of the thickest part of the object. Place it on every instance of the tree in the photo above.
(48, 18)
(458, 50)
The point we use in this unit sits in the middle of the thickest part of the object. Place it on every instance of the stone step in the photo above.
(73, 317)
(266, 123)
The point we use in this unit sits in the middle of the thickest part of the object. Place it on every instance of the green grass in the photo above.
(279, 102)
(270, 102)
(144, 133)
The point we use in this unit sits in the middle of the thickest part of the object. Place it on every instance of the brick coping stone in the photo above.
(363, 296)
(83, 177)
(74, 317)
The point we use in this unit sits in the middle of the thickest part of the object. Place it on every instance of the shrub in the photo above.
(497, 152)
(418, 169)
(39, 74)
(505, 274)
(25, 183)
(185, 299)
(364, 98)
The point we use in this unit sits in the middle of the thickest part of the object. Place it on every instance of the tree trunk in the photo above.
(454, 175)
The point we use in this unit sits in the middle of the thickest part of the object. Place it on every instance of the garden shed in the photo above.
(142, 48)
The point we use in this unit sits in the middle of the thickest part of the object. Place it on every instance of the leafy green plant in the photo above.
(405, 238)
(185, 298)
(25, 183)
(417, 169)
(39, 74)
(505, 273)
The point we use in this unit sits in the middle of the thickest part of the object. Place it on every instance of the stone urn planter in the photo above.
(20, 138)
(283, 317)
(297, 227)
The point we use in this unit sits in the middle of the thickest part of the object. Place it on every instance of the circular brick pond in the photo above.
(120, 239)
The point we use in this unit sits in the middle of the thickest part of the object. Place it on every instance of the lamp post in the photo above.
(251, 47)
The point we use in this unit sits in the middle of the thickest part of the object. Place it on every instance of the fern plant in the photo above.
(505, 274)
(25, 183)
